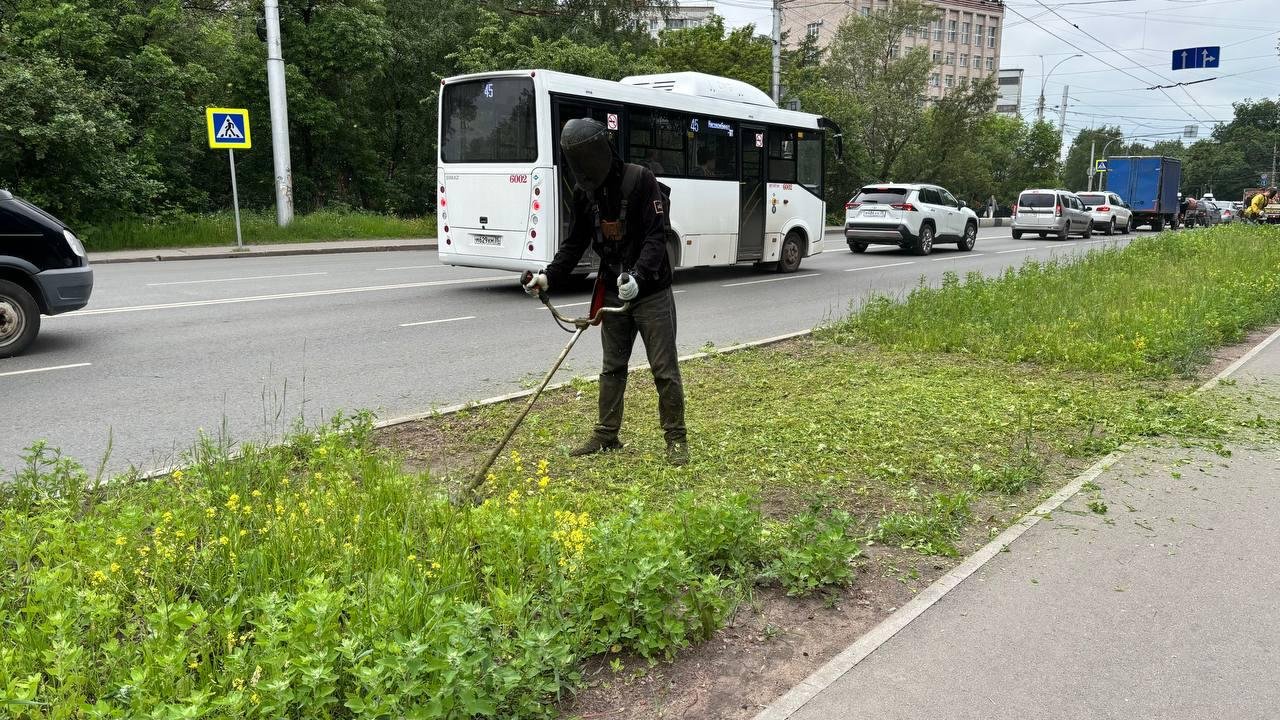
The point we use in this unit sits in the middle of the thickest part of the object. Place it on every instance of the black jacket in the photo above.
(643, 247)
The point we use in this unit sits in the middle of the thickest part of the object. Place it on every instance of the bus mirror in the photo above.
(839, 138)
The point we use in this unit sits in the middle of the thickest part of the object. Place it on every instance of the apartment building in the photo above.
(677, 17)
(964, 42)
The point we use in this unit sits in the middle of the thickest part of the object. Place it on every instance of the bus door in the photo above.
(751, 194)
(564, 109)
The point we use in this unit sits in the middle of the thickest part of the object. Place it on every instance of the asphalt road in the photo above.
(248, 346)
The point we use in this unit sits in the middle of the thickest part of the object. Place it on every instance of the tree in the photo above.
(1089, 143)
(740, 54)
(873, 90)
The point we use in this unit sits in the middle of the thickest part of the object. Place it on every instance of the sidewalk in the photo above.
(1167, 606)
(301, 248)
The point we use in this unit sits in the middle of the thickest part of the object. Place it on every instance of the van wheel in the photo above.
(1065, 232)
(789, 258)
(19, 319)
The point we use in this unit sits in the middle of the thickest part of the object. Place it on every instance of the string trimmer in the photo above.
(596, 315)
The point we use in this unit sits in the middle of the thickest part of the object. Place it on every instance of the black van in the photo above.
(43, 270)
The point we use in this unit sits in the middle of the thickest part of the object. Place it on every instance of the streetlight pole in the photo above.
(279, 115)
(1044, 80)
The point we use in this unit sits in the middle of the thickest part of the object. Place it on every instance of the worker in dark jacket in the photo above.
(634, 269)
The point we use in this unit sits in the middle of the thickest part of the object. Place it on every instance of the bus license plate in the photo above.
(495, 240)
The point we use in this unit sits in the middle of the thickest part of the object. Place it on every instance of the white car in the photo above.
(1051, 212)
(911, 216)
(1110, 213)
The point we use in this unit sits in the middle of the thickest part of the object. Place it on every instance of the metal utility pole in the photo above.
(1274, 147)
(1062, 114)
(279, 115)
(1044, 80)
(1093, 163)
(777, 51)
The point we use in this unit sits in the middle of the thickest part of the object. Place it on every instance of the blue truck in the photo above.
(1149, 184)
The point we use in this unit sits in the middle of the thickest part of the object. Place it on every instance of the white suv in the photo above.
(1110, 213)
(912, 217)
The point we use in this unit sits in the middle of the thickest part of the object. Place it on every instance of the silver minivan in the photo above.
(1051, 212)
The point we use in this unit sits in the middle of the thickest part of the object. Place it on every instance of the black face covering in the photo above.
(585, 146)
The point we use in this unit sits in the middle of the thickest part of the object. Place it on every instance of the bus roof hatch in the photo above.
(703, 85)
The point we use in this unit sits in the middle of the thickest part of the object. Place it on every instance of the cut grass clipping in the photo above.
(257, 227)
(319, 579)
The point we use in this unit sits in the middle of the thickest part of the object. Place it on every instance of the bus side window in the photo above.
(657, 141)
(782, 156)
(809, 161)
(713, 149)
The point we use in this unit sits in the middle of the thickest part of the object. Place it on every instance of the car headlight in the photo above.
(76, 246)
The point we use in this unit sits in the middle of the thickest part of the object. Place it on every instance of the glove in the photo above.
(534, 284)
(628, 288)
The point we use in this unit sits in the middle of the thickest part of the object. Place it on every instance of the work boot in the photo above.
(595, 445)
(677, 453)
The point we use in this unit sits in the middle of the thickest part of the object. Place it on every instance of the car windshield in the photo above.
(1037, 200)
(1093, 200)
(881, 195)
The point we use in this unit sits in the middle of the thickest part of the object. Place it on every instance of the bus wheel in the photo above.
(789, 258)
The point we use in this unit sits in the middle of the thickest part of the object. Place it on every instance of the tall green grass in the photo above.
(1157, 307)
(257, 227)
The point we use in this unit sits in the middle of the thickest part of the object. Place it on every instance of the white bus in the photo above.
(745, 176)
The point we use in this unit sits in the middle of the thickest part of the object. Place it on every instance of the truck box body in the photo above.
(1149, 184)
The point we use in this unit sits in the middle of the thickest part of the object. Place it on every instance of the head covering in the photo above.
(584, 144)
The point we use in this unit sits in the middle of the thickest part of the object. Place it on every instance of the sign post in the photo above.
(229, 128)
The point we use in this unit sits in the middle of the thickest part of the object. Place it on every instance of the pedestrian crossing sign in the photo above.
(228, 128)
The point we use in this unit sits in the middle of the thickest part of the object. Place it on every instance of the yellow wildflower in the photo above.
(412, 557)
(120, 540)
(233, 501)
(543, 482)
(193, 664)
(243, 532)
(177, 475)
(210, 512)
(223, 540)
(435, 565)
(98, 577)
(115, 567)
(256, 493)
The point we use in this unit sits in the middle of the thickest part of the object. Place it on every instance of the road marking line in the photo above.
(433, 322)
(1025, 249)
(877, 267)
(410, 267)
(43, 369)
(281, 296)
(756, 282)
(958, 257)
(217, 280)
(1094, 242)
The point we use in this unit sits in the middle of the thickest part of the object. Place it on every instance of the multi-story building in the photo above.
(964, 42)
(1009, 92)
(676, 17)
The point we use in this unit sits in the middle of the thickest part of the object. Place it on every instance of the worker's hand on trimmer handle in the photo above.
(628, 288)
(534, 283)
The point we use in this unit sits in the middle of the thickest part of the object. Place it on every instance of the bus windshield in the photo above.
(489, 121)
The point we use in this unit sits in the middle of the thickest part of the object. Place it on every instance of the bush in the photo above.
(813, 550)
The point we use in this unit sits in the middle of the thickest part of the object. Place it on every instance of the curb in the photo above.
(167, 256)
(798, 696)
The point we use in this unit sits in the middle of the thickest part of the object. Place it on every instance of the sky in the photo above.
(1127, 47)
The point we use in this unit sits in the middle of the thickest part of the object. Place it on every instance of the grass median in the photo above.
(330, 576)
(257, 227)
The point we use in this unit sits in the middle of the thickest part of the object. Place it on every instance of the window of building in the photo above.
(991, 39)
(813, 28)
(937, 57)
(964, 60)
(951, 59)
(935, 80)
(951, 30)
(893, 52)
(980, 34)
(991, 63)
(924, 31)
(951, 81)
(937, 30)
(910, 32)
(657, 140)
(675, 23)
(713, 148)
(964, 33)
(866, 11)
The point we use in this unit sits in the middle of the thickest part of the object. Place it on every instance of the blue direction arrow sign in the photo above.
(1197, 58)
